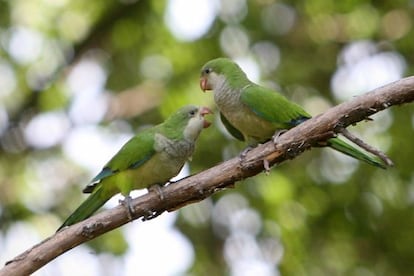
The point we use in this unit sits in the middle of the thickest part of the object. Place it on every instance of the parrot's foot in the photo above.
(266, 166)
(277, 135)
(150, 214)
(243, 155)
(245, 151)
(126, 202)
(156, 189)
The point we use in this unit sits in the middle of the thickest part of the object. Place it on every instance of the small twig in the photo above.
(366, 147)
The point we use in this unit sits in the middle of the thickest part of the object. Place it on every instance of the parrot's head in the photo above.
(190, 120)
(217, 71)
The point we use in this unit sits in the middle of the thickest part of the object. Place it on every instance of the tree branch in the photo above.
(367, 147)
(200, 186)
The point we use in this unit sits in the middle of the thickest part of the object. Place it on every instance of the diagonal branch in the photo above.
(200, 186)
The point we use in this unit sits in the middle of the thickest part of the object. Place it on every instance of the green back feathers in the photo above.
(273, 107)
(134, 153)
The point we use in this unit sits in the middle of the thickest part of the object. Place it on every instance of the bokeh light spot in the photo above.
(189, 20)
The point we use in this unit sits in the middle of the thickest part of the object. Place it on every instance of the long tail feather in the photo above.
(349, 150)
(87, 208)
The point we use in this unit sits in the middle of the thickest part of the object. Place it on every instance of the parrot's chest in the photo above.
(166, 163)
(241, 117)
(169, 149)
(171, 155)
(252, 126)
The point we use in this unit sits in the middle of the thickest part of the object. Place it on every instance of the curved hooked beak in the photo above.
(204, 85)
(204, 111)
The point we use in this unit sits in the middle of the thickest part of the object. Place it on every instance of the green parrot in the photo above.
(152, 157)
(254, 113)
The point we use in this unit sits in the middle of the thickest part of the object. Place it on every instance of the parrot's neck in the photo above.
(182, 149)
(226, 96)
(193, 129)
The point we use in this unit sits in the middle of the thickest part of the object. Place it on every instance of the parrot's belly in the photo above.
(252, 126)
(157, 170)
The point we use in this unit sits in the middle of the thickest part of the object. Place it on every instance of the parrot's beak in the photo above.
(204, 84)
(204, 111)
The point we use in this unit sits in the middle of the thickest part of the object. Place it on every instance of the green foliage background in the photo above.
(320, 214)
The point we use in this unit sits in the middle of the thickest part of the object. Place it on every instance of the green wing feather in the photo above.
(273, 107)
(132, 155)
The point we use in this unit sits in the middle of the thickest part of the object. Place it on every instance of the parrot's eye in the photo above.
(192, 112)
(207, 70)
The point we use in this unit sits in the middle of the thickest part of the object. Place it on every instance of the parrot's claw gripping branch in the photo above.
(243, 154)
(147, 214)
(156, 188)
(126, 202)
(277, 135)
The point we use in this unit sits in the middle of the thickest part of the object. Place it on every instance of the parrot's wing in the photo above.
(273, 107)
(230, 128)
(132, 155)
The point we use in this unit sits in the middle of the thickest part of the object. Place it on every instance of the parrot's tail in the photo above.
(349, 150)
(87, 208)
